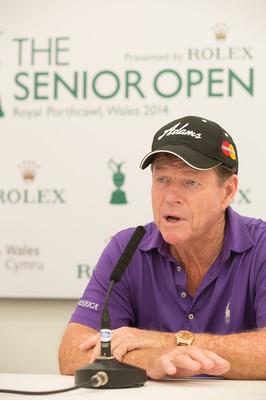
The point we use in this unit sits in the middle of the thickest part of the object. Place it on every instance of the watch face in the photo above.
(184, 337)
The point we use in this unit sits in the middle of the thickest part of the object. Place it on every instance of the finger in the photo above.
(120, 351)
(220, 365)
(120, 346)
(215, 357)
(162, 368)
(210, 361)
(201, 356)
(167, 366)
(189, 361)
(95, 352)
(186, 361)
(91, 342)
(178, 365)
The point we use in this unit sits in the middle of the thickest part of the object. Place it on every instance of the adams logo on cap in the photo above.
(228, 150)
(180, 131)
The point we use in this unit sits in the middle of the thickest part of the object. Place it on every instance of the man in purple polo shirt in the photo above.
(193, 298)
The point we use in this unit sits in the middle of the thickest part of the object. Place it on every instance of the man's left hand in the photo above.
(125, 339)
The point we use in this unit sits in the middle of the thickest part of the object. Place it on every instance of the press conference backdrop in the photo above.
(84, 85)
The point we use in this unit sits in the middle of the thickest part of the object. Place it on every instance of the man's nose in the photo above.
(175, 194)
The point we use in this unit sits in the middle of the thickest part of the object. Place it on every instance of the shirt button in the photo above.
(183, 294)
(178, 268)
(191, 316)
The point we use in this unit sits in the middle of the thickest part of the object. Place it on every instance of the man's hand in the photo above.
(125, 339)
(236, 348)
(184, 361)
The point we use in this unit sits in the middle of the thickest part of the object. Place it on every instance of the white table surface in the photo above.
(185, 389)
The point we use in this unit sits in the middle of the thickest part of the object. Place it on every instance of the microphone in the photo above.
(115, 277)
(116, 374)
(127, 254)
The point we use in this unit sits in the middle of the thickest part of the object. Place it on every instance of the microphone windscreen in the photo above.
(127, 254)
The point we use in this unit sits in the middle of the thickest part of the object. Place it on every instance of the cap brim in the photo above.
(191, 157)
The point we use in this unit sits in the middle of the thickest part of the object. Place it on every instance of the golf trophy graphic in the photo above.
(1, 110)
(118, 195)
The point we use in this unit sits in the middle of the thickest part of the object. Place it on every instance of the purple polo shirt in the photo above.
(152, 293)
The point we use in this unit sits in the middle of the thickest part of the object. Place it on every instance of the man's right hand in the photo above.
(184, 361)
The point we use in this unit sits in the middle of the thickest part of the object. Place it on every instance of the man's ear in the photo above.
(231, 186)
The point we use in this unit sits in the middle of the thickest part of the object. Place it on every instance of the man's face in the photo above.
(188, 204)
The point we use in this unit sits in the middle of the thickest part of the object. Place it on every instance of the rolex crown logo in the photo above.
(220, 31)
(28, 171)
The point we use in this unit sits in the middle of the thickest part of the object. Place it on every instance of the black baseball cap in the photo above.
(199, 142)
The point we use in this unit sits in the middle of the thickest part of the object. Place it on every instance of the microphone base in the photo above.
(120, 375)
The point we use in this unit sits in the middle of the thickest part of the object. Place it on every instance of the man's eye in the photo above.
(193, 183)
(161, 180)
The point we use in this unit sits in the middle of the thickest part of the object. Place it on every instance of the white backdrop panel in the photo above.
(84, 86)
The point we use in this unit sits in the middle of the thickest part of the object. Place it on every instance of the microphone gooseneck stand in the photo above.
(112, 373)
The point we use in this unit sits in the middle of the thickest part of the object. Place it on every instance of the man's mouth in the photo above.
(172, 218)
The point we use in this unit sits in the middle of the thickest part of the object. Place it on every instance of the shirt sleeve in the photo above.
(89, 308)
(259, 263)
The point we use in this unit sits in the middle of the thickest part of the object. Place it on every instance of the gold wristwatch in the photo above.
(184, 338)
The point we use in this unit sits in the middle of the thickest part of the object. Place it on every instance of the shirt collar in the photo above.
(153, 238)
(237, 237)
